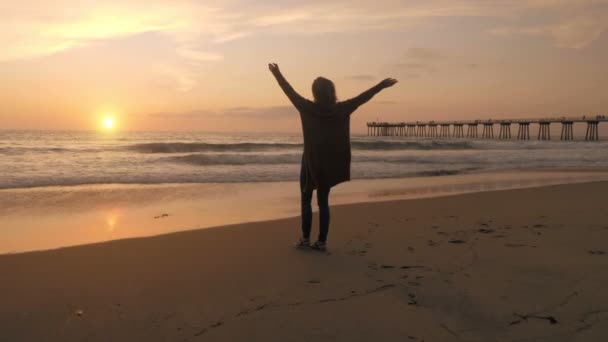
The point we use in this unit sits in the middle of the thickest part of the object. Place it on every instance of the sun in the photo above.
(108, 122)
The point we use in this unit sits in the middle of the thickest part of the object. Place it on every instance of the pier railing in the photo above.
(455, 129)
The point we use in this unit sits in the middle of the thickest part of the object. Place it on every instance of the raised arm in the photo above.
(295, 98)
(367, 95)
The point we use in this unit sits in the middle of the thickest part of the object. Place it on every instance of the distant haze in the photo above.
(202, 65)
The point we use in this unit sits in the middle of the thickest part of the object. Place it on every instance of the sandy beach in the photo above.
(514, 265)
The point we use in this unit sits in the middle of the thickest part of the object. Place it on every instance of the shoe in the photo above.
(319, 246)
(303, 243)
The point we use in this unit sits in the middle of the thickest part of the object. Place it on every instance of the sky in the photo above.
(202, 65)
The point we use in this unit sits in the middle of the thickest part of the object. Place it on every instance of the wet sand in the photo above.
(527, 264)
(52, 217)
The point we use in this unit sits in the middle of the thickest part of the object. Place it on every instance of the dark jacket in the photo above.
(326, 158)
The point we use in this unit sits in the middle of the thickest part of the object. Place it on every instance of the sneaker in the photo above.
(303, 243)
(319, 246)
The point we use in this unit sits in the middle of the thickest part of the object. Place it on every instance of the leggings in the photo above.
(322, 201)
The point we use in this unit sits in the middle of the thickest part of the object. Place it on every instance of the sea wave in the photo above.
(295, 158)
(356, 144)
(189, 178)
(235, 159)
(23, 150)
(413, 145)
(183, 147)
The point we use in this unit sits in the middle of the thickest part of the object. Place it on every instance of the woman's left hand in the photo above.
(273, 67)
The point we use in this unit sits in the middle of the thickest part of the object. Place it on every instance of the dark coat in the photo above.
(326, 130)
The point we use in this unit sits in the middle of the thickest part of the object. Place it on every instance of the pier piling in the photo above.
(458, 130)
(488, 130)
(505, 130)
(544, 130)
(472, 130)
(523, 133)
(445, 130)
(592, 131)
(567, 130)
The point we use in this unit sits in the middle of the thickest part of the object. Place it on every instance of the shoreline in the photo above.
(113, 212)
(563, 170)
(465, 267)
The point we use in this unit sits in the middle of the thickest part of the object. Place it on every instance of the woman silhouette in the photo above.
(326, 157)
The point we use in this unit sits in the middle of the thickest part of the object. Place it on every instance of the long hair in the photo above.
(324, 92)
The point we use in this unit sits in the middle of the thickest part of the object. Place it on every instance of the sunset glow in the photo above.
(192, 65)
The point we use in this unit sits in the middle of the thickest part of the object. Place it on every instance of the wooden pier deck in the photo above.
(455, 129)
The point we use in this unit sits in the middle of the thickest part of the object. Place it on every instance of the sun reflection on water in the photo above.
(111, 221)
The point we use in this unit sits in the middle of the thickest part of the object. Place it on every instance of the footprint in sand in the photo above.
(412, 299)
(515, 245)
(486, 231)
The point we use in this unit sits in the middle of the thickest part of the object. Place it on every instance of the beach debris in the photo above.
(486, 231)
(314, 281)
(457, 241)
(431, 243)
(405, 267)
(412, 299)
(161, 216)
(538, 226)
(515, 245)
(79, 312)
(442, 233)
(381, 288)
(435, 227)
(484, 224)
(204, 330)
(245, 312)
(387, 266)
(524, 318)
(597, 252)
(410, 248)
(361, 252)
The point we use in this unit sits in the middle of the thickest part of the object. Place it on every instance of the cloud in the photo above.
(420, 60)
(257, 113)
(361, 77)
(571, 24)
(192, 115)
(421, 53)
(32, 29)
(273, 112)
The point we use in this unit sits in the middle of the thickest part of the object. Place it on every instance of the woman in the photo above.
(326, 158)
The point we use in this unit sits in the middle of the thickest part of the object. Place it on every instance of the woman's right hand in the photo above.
(387, 83)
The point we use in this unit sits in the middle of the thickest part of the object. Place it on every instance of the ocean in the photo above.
(44, 158)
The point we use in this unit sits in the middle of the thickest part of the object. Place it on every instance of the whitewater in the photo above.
(45, 158)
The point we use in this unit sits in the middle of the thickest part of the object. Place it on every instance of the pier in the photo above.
(455, 129)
